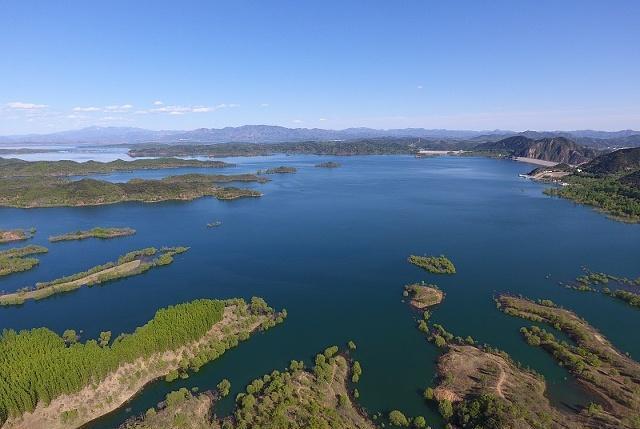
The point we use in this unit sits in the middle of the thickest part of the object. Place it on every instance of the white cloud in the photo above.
(297, 121)
(181, 110)
(322, 119)
(420, 87)
(264, 105)
(118, 108)
(158, 103)
(87, 109)
(25, 106)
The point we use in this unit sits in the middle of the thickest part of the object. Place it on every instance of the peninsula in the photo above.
(9, 235)
(131, 264)
(54, 382)
(295, 398)
(15, 260)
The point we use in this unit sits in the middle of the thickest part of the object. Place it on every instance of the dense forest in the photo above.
(38, 365)
(53, 192)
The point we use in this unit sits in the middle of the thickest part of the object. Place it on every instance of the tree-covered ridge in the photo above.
(131, 264)
(434, 264)
(296, 398)
(97, 232)
(610, 183)
(55, 192)
(19, 168)
(9, 235)
(72, 383)
(279, 170)
(607, 372)
(14, 260)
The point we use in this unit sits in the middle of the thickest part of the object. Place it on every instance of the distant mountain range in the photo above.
(277, 134)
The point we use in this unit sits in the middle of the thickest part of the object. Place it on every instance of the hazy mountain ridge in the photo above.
(279, 134)
(620, 161)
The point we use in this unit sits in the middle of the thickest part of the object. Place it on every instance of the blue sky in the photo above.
(540, 64)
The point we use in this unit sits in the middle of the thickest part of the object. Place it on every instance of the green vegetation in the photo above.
(224, 387)
(278, 170)
(97, 232)
(131, 264)
(11, 168)
(53, 192)
(14, 260)
(9, 235)
(592, 359)
(607, 194)
(38, 365)
(433, 264)
(396, 418)
(595, 282)
(290, 399)
(328, 164)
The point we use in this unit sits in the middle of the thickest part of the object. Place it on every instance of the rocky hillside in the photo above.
(620, 161)
(557, 149)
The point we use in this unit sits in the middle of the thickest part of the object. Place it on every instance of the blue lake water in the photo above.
(330, 246)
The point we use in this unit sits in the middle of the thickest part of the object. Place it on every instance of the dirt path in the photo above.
(118, 270)
(501, 379)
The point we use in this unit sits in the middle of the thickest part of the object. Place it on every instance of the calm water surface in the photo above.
(330, 246)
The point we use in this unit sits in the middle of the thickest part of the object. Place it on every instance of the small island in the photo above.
(608, 373)
(296, 398)
(279, 170)
(15, 260)
(214, 224)
(97, 232)
(131, 264)
(10, 235)
(33, 192)
(64, 383)
(328, 164)
(433, 264)
(423, 295)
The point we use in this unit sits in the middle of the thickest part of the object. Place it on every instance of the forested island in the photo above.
(606, 372)
(621, 288)
(434, 264)
(19, 168)
(9, 235)
(131, 264)
(296, 398)
(279, 170)
(59, 382)
(97, 232)
(15, 260)
(55, 192)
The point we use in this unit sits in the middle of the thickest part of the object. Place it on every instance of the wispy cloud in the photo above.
(181, 110)
(87, 109)
(297, 121)
(19, 105)
(322, 119)
(158, 103)
(264, 105)
(419, 86)
(119, 108)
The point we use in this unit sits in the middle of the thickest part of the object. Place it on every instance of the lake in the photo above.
(330, 246)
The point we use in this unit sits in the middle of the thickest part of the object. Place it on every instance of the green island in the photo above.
(14, 260)
(279, 170)
(9, 235)
(56, 192)
(609, 374)
(131, 264)
(328, 164)
(610, 183)
(296, 398)
(433, 264)
(423, 295)
(595, 282)
(57, 382)
(97, 232)
(19, 168)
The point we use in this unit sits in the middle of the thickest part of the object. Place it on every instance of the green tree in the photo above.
(224, 387)
(70, 337)
(446, 409)
(398, 419)
(419, 422)
(105, 337)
